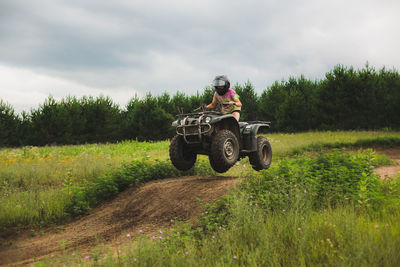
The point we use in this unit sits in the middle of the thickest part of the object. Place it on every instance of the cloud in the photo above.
(25, 89)
(157, 46)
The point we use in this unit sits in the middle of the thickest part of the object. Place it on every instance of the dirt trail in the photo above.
(387, 172)
(149, 207)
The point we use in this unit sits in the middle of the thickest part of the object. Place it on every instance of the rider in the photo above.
(226, 97)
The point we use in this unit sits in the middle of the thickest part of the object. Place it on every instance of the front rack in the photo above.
(194, 127)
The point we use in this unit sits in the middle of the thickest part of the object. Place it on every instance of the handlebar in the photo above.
(228, 103)
(202, 108)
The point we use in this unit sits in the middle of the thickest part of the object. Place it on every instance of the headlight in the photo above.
(175, 123)
(208, 119)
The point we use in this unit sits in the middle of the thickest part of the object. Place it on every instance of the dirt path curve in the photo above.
(149, 207)
(387, 172)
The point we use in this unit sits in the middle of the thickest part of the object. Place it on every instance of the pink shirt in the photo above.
(231, 95)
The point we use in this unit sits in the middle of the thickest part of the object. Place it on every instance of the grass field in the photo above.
(36, 182)
(33, 179)
(33, 168)
(327, 209)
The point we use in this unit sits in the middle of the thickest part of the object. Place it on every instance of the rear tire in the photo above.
(262, 158)
(224, 151)
(181, 157)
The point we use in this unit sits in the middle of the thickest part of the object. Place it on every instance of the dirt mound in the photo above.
(149, 208)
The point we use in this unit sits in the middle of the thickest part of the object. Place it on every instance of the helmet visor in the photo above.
(219, 82)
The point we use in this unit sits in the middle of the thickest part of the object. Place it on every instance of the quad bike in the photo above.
(221, 137)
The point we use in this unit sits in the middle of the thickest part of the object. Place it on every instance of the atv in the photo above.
(221, 137)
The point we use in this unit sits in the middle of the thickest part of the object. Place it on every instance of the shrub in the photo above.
(328, 180)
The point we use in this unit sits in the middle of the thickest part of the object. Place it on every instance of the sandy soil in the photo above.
(149, 208)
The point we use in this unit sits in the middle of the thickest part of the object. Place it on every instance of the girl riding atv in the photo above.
(226, 97)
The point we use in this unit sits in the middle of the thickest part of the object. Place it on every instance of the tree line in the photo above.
(345, 99)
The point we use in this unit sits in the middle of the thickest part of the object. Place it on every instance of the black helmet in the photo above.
(219, 81)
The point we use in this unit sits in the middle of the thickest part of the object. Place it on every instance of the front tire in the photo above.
(181, 157)
(224, 151)
(262, 158)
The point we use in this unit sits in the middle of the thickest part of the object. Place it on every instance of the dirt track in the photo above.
(149, 208)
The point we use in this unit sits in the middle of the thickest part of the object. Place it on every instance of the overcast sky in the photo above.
(119, 48)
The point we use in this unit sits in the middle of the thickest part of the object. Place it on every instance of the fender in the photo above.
(223, 117)
(249, 134)
(228, 121)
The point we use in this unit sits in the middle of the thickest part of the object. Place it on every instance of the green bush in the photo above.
(327, 180)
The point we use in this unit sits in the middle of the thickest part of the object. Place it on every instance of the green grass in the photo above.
(344, 236)
(36, 167)
(33, 168)
(33, 179)
(41, 207)
(287, 144)
(311, 209)
(282, 217)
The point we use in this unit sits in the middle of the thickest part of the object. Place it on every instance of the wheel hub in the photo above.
(228, 148)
